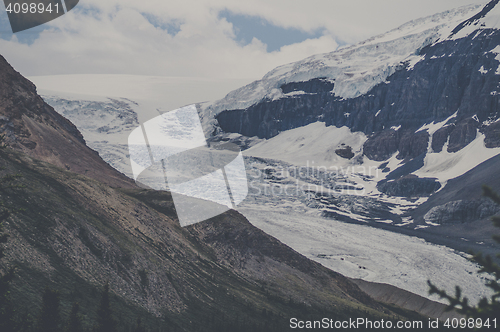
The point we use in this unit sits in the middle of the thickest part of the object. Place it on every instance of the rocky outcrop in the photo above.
(315, 85)
(345, 152)
(462, 198)
(267, 119)
(440, 137)
(461, 211)
(492, 133)
(463, 133)
(412, 145)
(381, 145)
(409, 186)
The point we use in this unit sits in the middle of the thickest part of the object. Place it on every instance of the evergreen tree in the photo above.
(105, 320)
(486, 308)
(25, 322)
(49, 317)
(3, 237)
(138, 326)
(74, 323)
(6, 311)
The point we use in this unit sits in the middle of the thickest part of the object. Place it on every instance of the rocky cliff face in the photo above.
(461, 199)
(33, 127)
(75, 234)
(461, 211)
(419, 94)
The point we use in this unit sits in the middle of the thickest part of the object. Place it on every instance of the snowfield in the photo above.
(370, 254)
(153, 92)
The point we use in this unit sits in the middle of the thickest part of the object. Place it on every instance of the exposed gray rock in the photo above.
(440, 137)
(345, 152)
(382, 145)
(313, 86)
(409, 186)
(463, 133)
(412, 144)
(492, 133)
(461, 211)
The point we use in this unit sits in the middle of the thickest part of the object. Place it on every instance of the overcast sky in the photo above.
(201, 38)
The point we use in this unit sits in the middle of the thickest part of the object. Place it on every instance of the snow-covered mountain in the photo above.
(398, 132)
(418, 104)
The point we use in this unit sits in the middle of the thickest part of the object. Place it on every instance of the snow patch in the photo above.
(314, 143)
(296, 93)
(403, 261)
(448, 165)
(413, 60)
(433, 127)
(496, 50)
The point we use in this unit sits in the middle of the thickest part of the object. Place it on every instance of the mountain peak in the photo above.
(354, 69)
(414, 93)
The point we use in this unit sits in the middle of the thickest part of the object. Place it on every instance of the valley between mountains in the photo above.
(77, 224)
(364, 165)
(397, 133)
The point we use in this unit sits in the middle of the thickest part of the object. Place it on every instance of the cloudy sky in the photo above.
(229, 42)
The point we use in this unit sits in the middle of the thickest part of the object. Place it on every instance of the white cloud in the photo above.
(349, 20)
(118, 39)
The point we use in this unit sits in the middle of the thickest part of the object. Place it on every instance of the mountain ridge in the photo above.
(338, 65)
(72, 231)
(32, 126)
